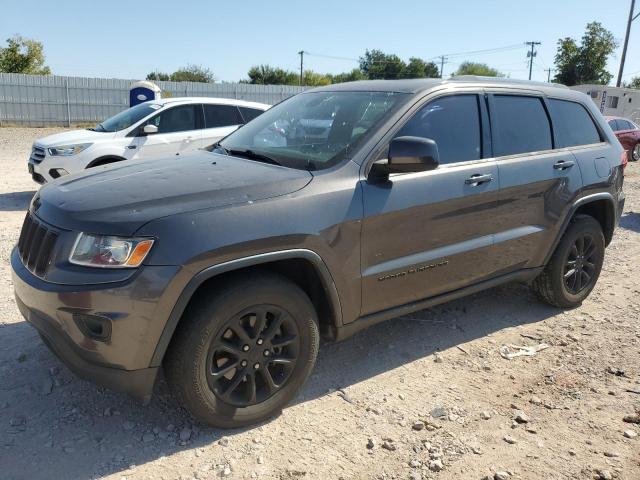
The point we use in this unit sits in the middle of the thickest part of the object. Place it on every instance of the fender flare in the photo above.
(115, 158)
(574, 207)
(255, 260)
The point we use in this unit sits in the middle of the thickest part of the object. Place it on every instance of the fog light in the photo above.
(57, 172)
(93, 326)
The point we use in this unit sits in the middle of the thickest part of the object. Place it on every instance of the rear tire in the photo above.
(241, 354)
(575, 265)
(635, 153)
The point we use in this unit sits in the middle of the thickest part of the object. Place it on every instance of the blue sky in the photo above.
(128, 39)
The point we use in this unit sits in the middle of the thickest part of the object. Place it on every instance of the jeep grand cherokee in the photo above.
(341, 207)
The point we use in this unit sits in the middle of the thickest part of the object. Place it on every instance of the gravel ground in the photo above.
(422, 397)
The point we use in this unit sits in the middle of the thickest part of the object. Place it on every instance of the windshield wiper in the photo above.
(251, 155)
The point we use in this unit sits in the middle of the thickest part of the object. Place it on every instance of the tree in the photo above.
(587, 62)
(352, 76)
(633, 83)
(190, 73)
(418, 68)
(480, 69)
(268, 75)
(163, 77)
(315, 79)
(193, 73)
(23, 55)
(376, 64)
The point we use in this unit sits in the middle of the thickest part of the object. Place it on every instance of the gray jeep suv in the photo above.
(339, 208)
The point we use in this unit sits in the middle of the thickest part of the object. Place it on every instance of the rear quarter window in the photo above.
(249, 113)
(572, 124)
(521, 125)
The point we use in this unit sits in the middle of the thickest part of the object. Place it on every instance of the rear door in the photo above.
(430, 232)
(179, 132)
(219, 121)
(537, 181)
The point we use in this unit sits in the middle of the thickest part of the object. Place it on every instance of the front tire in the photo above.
(575, 265)
(241, 354)
(635, 153)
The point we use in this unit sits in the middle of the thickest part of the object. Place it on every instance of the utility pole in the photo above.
(548, 70)
(531, 54)
(442, 61)
(301, 53)
(626, 41)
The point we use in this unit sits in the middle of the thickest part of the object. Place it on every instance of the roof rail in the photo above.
(471, 78)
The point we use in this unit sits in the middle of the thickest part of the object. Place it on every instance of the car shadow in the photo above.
(79, 430)
(630, 221)
(16, 201)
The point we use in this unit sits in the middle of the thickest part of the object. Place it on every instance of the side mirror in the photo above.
(406, 155)
(150, 129)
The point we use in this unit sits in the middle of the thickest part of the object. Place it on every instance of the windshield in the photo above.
(127, 118)
(312, 130)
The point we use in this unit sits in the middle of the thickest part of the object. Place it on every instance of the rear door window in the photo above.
(177, 119)
(520, 125)
(614, 125)
(453, 122)
(221, 116)
(249, 113)
(573, 124)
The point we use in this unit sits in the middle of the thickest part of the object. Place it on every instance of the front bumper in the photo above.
(136, 311)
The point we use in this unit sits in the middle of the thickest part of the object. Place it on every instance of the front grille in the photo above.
(36, 245)
(37, 154)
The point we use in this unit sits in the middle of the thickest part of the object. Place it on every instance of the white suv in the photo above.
(157, 128)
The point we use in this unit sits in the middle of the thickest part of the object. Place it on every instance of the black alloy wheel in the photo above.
(580, 266)
(253, 355)
(243, 349)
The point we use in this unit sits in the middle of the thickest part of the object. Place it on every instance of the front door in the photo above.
(179, 132)
(431, 232)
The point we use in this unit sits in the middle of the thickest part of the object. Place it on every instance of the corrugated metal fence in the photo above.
(54, 100)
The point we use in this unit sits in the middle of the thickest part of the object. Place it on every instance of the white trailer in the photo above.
(614, 101)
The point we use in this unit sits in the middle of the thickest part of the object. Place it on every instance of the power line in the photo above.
(446, 55)
(484, 51)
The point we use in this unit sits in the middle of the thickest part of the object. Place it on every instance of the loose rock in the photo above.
(436, 465)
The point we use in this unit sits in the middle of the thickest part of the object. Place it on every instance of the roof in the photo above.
(218, 101)
(415, 85)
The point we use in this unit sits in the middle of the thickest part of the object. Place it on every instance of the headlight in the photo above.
(109, 252)
(68, 150)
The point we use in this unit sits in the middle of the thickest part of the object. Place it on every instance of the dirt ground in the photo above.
(423, 397)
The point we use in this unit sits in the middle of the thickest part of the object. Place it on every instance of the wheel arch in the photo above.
(600, 206)
(104, 160)
(304, 267)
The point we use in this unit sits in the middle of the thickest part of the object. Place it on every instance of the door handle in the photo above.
(188, 139)
(478, 179)
(563, 164)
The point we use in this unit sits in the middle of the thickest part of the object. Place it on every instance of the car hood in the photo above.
(118, 200)
(74, 136)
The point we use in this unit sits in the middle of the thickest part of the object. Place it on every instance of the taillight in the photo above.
(623, 159)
